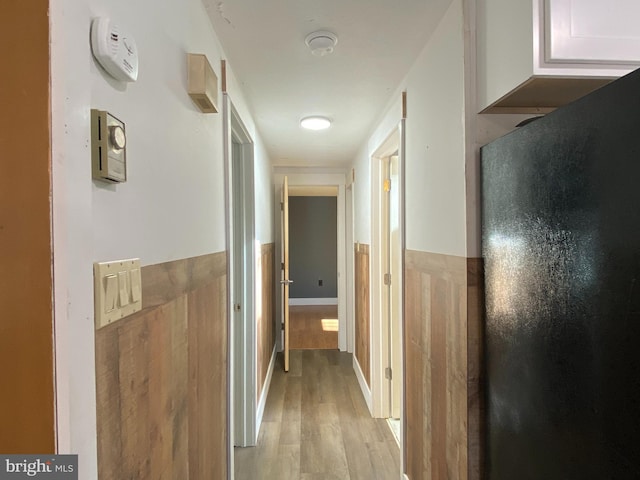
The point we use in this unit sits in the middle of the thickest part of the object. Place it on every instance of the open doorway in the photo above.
(392, 299)
(387, 277)
(242, 278)
(313, 244)
(315, 183)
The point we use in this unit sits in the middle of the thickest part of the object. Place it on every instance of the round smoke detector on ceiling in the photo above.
(321, 42)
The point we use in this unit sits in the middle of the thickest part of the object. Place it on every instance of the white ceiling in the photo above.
(378, 40)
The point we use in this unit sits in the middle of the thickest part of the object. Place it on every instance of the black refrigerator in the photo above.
(561, 248)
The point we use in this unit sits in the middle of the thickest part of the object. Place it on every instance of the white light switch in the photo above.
(117, 290)
(123, 285)
(136, 289)
(111, 285)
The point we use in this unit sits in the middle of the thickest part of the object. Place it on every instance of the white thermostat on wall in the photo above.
(115, 49)
(108, 147)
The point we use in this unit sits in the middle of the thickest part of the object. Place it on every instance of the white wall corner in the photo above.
(472, 152)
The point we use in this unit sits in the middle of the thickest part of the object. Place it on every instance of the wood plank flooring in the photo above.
(316, 426)
(313, 326)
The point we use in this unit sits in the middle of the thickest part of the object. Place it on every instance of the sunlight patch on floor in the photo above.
(330, 324)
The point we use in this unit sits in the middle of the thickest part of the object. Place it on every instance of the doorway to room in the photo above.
(387, 278)
(313, 244)
(242, 278)
(392, 299)
(308, 184)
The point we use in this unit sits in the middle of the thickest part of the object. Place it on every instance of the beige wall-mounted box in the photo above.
(202, 83)
(108, 147)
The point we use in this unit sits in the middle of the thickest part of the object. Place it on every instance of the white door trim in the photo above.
(238, 147)
(349, 271)
(319, 179)
(380, 351)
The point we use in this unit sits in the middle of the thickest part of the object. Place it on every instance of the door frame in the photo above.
(242, 390)
(306, 177)
(285, 280)
(380, 351)
(350, 273)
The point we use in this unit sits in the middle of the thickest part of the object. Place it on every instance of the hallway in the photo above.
(316, 426)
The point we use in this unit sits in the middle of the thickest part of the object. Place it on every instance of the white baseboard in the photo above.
(313, 301)
(265, 390)
(366, 392)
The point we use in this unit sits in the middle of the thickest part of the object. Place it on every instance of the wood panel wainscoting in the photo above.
(161, 377)
(362, 312)
(443, 367)
(266, 326)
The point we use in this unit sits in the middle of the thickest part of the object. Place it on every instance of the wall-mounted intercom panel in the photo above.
(108, 147)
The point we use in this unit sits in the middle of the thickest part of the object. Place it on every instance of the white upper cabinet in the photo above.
(536, 55)
(592, 31)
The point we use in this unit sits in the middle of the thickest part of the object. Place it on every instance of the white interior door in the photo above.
(395, 289)
(239, 152)
(392, 265)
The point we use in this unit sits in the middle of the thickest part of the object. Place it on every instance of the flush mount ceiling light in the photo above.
(315, 123)
(321, 42)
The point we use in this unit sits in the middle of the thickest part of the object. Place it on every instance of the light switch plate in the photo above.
(117, 290)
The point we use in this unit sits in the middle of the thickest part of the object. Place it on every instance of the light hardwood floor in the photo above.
(316, 426)
(313, 326)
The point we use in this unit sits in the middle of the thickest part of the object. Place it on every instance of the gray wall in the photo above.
(313, 247)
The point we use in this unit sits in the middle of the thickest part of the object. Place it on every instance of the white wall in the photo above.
(434, 174)
(362, 197)
(263, 181)
(363, 168)
(263, 196)
(435, 147)
(172, 205)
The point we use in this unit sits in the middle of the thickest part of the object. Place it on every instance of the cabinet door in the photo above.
(592, 31)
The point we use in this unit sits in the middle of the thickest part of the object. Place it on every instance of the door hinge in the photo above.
(387, 185)
(387, 279)
(281, 206)
(236, 307)
(388, 374)
(282, 266)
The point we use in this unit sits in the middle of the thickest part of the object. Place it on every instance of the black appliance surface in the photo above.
(561, 245)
